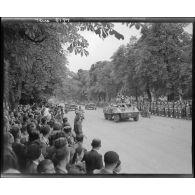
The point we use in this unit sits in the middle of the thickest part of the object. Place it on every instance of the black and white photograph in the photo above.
(97, 97)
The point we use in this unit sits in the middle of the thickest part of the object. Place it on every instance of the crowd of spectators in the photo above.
(38, 139)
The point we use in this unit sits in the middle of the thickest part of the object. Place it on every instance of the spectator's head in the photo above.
(79, 138)
(31, 127)
(31, 116)
(45, 130)
(44, 120)
(33, 151)
(15, 114)
(25, 118)
(67, 129)
(62, 156)
(35, 135)
(96, 143)
(59, 134)
(57, 127)
(8, 139)
(11, 114)
(15, 131)
(51, 123)
(24, 129)
(46, 166)
(55, 136)
(60, 143)
(111, 159)
(65, 119)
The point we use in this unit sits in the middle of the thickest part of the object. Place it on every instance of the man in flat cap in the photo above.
(92, 158)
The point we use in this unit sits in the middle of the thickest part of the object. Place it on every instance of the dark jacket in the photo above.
(93, 161)
(78, 125)
(20, 151)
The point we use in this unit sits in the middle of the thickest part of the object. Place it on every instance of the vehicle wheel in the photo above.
(105, 116)
(109, 116)
(136, 118)
(117, 118)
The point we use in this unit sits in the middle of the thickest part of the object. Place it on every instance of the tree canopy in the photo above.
(159, 63)
(35, 62)
(35, 56)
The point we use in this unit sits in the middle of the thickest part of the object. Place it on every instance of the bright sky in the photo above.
(100, 50)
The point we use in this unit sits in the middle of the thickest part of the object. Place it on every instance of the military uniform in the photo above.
(163, 109)
(171, 110)
(179, 111)
(190, 110)
(159, 109)
(175, 110)
(155, 108)
(183, 112)
(138, 105)
(152, 107)
(166, 110)
(187, 112)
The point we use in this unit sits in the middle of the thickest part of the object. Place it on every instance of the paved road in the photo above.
(155, 145)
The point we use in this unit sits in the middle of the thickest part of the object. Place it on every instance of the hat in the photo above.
(111, 157)
(60, 142)
(67, 129)
(96, 143)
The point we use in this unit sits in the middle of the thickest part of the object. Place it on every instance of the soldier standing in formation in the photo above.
(187, 111)
(178, 109)
(166, 109)
(190, 105)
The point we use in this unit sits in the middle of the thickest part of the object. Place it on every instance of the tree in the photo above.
(161, 48)
(159, 63)
(35, 52)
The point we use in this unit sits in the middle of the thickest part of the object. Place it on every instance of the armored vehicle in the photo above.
(120, 112)
(72, 107)
(90, 106)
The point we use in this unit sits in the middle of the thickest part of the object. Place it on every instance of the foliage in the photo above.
(159, 63)
(35, 59)
(36, 53)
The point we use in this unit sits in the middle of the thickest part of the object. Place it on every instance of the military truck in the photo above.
(120, 112)
(90, 106)
(72, 107)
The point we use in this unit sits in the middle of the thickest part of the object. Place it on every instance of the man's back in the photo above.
(93, 161)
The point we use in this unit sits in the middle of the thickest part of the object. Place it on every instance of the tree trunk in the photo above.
(149, 93)
(136, 94)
